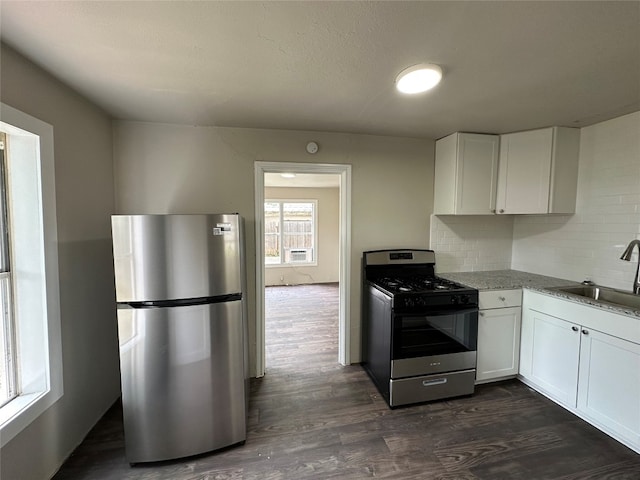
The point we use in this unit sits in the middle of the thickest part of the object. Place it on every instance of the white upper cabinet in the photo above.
(466, 174)
(538, 171)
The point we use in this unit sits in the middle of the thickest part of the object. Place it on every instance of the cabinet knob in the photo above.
(481, 314)
(585, 331)
(502, 299)
(502, 210)
(575, 329)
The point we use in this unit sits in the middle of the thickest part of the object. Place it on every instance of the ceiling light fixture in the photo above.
(418, 78)
(288, 175)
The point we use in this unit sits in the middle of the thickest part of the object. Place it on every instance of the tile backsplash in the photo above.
(585, 245)
(465, 243)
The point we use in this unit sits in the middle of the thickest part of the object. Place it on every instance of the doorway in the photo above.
(344, 174)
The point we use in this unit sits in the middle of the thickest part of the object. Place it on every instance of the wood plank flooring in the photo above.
(311, 418)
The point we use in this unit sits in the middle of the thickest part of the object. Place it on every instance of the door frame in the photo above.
(344, 322)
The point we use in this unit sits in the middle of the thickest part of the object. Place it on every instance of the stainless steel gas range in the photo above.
(420, 332)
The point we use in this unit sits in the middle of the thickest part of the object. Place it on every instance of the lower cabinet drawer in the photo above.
(499, 298)
(405, 391)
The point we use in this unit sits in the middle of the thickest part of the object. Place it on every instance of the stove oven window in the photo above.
(434, 334)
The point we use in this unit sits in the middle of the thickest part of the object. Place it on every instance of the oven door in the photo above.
(438, 341)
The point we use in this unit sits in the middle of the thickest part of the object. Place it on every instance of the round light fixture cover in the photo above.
(418, 78)
(312, 147)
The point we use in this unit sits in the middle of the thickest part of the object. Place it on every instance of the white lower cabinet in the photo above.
(498, 335)
(592, 373)
(550, 354)
(609, 385)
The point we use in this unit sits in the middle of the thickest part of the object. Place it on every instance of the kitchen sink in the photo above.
(603, 294)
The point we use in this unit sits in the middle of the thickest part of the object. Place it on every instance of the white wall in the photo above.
(327, 242)
(164, 168)
(589, 243)
(85, 200)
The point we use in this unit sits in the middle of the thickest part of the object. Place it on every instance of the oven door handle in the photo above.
(435, 381)
(442, 312)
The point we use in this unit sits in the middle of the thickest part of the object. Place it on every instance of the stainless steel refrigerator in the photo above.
(180, 288)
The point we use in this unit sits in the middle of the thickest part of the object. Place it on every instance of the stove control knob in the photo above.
(464, 299)
(454, 299)
(409, 302)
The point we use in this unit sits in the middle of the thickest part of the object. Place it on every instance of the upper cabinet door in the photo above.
(538, 171)
(524, 172)
(466, 174)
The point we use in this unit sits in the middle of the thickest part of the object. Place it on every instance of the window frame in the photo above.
(36, 298)
(10, 388)
(282, 264)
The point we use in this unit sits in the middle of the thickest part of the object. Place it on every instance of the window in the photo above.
(8, 387)
(290, 232)
(29, 293)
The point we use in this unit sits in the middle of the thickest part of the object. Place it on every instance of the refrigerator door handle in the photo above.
(186, 302)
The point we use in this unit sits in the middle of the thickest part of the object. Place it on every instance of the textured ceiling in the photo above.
(330, 66)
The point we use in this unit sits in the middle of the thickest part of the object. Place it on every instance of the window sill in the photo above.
(20, 412)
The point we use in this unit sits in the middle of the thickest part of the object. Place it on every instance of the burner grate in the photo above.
(416, 284)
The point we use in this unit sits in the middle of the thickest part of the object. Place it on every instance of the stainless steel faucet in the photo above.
(627, 256)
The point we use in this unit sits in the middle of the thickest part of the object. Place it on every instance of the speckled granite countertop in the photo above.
(505, 279)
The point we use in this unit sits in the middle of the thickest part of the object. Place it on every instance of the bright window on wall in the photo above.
(290, 232)
(31, 376)
(8, 377)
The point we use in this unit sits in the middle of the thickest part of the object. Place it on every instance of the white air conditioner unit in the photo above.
(299, 255)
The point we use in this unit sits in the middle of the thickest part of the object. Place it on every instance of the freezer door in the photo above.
(170, 257)
(183, 379)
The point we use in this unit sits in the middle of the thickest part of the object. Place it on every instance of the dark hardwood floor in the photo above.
(311, 418)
